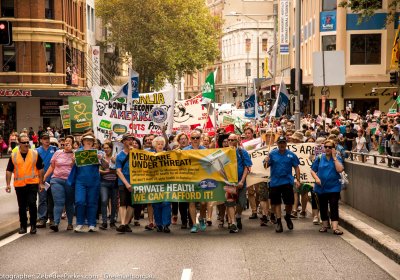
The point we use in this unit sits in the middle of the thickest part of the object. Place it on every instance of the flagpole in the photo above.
(129, 96)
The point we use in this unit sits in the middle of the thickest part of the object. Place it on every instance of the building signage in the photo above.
(40, 93)
(15, 92)
(284, 27)
(50, 107)
(328, 21)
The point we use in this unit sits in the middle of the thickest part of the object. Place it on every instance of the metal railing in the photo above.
(390, 159)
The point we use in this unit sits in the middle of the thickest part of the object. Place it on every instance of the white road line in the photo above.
(374, 255)
(187, 274)
(12, 238)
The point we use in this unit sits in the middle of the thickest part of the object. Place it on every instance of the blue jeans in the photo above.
(63, 195)
(108, 190)
(162, 213)
(86, 202)
(45, 205)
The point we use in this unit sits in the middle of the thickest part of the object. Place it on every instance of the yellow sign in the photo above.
(394, 65)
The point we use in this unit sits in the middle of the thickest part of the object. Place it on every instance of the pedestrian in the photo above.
(395, 146)
(63, 194)
(12, 141)
(361, 145)
(326, 171)
(282, 161)
(3, 146)
(27, 167)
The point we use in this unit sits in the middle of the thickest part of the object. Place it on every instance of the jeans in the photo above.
(26, 197)
(46, 205)
(108, 190)
(86, 202)
(162, 213)
(63, 195)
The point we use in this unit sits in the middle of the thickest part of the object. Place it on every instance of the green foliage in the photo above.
(165, 38)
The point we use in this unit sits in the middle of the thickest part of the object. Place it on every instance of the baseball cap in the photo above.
(44, 135)
(281, 139)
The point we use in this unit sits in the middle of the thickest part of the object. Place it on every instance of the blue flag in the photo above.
(249, 107)
(134, 85)
(282, 101)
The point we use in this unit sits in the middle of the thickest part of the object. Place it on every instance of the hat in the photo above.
(53, 140)
(281, 139)
(44, 135)
(88, 137)
(127, 136)
(297, 136)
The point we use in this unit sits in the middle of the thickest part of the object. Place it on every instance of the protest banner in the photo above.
(147, 116)
(259, 174)
(188, 175)
(86, 157)
(80, 112)
(353, 116)
(377, 113)
(64, 113)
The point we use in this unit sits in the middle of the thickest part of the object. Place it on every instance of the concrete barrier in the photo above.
(375, 191)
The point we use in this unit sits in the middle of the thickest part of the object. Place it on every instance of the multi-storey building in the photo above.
(45, 63)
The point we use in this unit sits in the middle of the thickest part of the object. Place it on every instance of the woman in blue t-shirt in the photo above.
(326, 171)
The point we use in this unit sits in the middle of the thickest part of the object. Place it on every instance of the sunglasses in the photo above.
(328, 147)
(195, 138)
(24, 143)
(232, 140)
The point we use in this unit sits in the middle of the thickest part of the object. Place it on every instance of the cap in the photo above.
(281, 139)
(127, 136)
(44, 135)
(88, 137)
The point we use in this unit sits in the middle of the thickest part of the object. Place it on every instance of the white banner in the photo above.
(284, 27)
(149, 113)
(96, 64)
(259, 174)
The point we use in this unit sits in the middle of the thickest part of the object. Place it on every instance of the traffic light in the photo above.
(393, 77)
(5, 32)
(395, 95)
(273, 91)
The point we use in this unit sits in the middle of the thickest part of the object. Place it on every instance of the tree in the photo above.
(164, 38)
(367, 8)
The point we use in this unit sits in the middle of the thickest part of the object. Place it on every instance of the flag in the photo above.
(250, 107)
(394, 65)
(266, 73)
(398, 100)
(208, 89)
(132, 87)
(282, 101)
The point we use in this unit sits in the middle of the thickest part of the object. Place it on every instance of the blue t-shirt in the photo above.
(342, 129)
(326, 171)
(46, 156)
(281, 167)
(125, 169)
(243, 161)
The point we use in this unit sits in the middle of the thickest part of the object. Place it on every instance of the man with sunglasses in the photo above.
(27, 167)
(282, 161)
(195, 138)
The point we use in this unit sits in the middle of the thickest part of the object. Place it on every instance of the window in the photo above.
(248, 45)
(368, 4)
(329, 5)
(329, 43)
(365, 49)
(248, 69)
(50, 57)
(9, 59)
(7, 8)
(49, 9)
(264, 45)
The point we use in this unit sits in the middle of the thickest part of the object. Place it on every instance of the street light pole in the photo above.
(275, 51)
(297, 48)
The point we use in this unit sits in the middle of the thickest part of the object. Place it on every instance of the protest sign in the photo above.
(64, 113)
(259, 174)
(188, 175)
(80, 112)
(149, 113)
(86, 157)
(227, 120)
(353, 116)
(251, 144)
(377, 113)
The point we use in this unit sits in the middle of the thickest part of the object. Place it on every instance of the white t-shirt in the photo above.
(361, 143)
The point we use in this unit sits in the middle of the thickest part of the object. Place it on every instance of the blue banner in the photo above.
(328, 21)
(249, 107)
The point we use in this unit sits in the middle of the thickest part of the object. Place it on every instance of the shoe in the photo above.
(149, 226)
(112, 225)
(167, 230)
(128, 228)
(315, 220)
(22, 230)
(303, 214)
(293, 215)
(195, 229)
(159, 228)
(92, 229)
(337, 232)
(263, 224)
(264, 219)
(184, 226)
(103, 226)
(79, 228)
(121, 228)
(50, 222)
(233, 228)
(253, 216)
(273, 218)
(203, 225)
(70, 227)
(54, 228)
(279, 227)
(174, 220)
(41, 224)
(239, 223)
(209, 223)
(289, 222)
(33, 230)
(63, 215)
(136, 224)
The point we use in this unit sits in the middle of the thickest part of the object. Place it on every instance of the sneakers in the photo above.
(289, 222)
(128, 228)
(41, 224)
(166, 229)
(22, 230)
(195, 229)
(279, 227)
(303, 214)
(253, 216)
(239, 223)
(233, 228)
(92, 229)
(293, 215)
(79, 228)
(54, 228)
(264, 221)
(121, 228)
(33, 230)
(149, 226)
(316, 220)
(203, 225)
(103, 226)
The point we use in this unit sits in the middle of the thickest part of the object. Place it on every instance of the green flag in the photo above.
(208, 89)
(398, 100)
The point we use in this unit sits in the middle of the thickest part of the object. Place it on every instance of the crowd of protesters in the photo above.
(104, 189)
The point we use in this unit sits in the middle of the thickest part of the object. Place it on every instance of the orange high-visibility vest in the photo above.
(25, 171)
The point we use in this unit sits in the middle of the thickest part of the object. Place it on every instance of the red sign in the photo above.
(15, 92)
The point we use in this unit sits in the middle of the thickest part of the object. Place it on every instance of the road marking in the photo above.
(187, 274)
(12, 238)
(374, 255)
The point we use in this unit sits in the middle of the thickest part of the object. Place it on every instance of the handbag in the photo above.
(344, 179)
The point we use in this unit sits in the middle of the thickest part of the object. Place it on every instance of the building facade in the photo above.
(44, 65)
